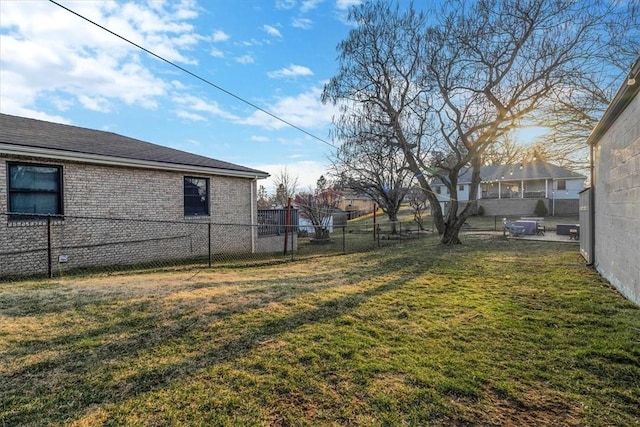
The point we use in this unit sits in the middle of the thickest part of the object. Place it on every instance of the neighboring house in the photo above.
(515, 189)
(610, 209)
(355, 204)
(72, 172)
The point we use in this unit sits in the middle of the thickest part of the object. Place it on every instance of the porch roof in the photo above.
(526, 171)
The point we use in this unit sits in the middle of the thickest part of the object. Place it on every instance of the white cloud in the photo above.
(346, 4)
(217, 53)
(307, 172)
(304, 110)
(62, 104)
(191, 106)
(177, 84)
(95, 103)
(308, 5)
(27, 112)
(285, 4)
(245, 59)
(258, 138)
(50, 55)
(251, 42)
(303, 23)
(190, 116)
(220, 36)
(291, 71)
(272, 31)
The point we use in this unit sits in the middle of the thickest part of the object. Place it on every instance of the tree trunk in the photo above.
(454, 223)
(436, 213)
(393, 221)
(321, 233)
(450, 235)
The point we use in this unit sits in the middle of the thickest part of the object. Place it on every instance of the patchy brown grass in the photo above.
(492, 332)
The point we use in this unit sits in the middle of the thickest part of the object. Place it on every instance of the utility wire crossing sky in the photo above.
(137, 68)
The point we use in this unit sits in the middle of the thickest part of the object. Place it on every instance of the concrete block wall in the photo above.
(522, 207)
(511, 207)
(268, 244)
(617, 203)
(127, 207)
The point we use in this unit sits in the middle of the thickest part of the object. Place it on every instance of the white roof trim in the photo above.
(62, 155)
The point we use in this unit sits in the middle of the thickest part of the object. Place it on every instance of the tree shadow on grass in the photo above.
(29, 396)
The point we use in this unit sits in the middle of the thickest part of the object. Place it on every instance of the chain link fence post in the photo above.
(209, 242)
(49, 254)
(344, 240)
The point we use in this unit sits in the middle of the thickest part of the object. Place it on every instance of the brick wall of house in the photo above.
(128, 216)
(617, 203)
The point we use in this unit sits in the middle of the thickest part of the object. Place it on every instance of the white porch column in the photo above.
(546, 188)
(499, 189)
(522, 188)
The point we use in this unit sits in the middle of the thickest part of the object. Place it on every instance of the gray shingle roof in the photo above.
(529, 170)
(522, 171)
(32, 133)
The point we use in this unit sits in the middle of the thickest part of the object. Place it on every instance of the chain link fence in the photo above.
(55, 246)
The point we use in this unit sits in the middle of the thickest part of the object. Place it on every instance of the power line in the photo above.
(192, 74)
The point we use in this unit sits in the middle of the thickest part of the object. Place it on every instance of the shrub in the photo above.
(541, 208)
(480, 210)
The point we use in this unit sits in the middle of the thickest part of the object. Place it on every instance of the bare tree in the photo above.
(286, 186)
(418, 202)
(375, 169)
(263, 198)
(573, 109)
(318, 206)
(505, 151)
(446, 88)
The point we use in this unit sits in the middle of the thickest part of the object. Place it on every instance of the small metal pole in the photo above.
(292, 237)
(49, 254)
(344, 239)
(209, 230)
(375, 208)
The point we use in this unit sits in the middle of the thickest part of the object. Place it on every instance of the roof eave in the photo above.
(60, 155)
(621, 100)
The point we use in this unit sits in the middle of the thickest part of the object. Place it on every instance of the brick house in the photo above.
(105, 191)
(515, 189)
(610, 208)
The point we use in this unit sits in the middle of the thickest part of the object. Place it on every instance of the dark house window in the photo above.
(461, 187)
(562, 184)
(34, 189)
(196, 196)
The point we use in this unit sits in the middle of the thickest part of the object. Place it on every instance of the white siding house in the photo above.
(515, 189)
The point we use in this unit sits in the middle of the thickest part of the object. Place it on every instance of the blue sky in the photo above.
(276, 54)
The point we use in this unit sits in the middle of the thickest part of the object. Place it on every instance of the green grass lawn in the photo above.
(488, 222)
(491, 332)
